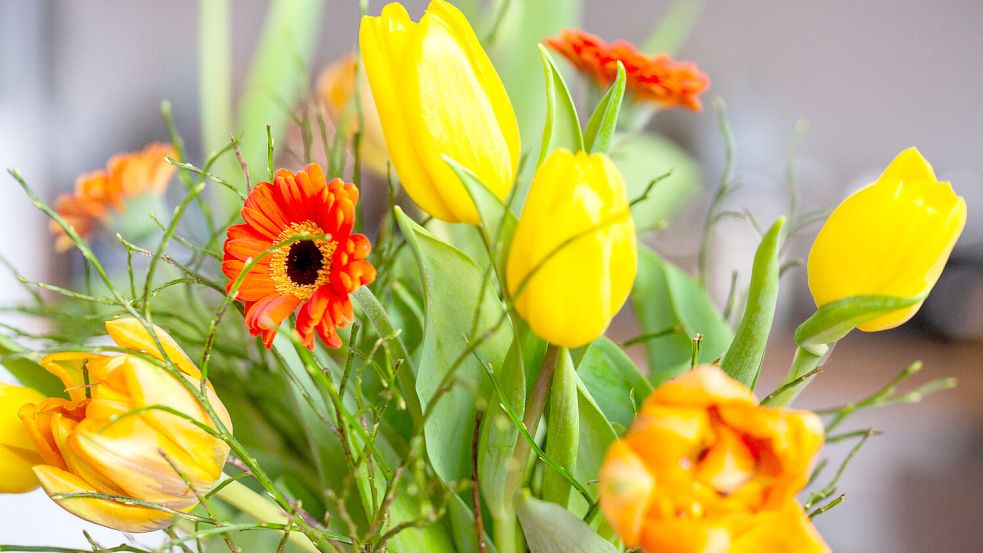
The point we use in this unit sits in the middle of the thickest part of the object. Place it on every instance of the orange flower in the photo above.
(315, 275)
(336, 90)
(101, 191)
(705, 469)
(659, 79)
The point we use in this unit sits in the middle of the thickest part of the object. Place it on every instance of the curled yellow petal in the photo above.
(17, 452)
(130, 333)
(126, 518)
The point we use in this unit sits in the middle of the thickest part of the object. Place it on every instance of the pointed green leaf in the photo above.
(743, 358)
(27, 371)
(596, 435)
(563, 429)
(562, 128)
(836, 319)
(614, 381)
(550, 528)
(665, 297)
(497, 220)
(604, 121)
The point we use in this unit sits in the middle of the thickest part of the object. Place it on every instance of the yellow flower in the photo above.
(573, 258)
(336, 90)
(17, 452)
(437, 94)
(705, 469)
(95, 442)
(890, 238)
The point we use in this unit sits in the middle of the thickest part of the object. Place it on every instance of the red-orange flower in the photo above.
(316, 275)
(659, 79)
(100, 192)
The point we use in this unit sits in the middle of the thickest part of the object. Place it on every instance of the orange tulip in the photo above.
(107, 440)
(705, 469)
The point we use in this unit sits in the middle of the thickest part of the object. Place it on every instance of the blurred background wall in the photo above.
(80, 81)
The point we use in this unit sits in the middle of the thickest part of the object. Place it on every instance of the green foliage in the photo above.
(837, 318)
(744, 356)
(614, 381)
(562, 128)
(604, 121)
(666, 298)
(550, 528)
(563, 428)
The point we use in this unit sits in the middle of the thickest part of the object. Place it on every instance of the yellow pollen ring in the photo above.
(283, 284)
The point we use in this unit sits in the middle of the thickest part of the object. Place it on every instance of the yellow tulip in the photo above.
(336, 91)
(573, 258)
(95, 442)
(17, 453)
(705, 468)
(437, 94)
(890, 238)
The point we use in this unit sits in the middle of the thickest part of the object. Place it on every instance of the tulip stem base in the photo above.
(262, 509)
(806, 361)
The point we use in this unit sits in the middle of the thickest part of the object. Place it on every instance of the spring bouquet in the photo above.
(269, 365)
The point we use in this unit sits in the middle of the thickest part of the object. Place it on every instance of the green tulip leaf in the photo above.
(743, 358)
(670, 304)
(498, 222)
(460, 305)
(563, 429)
(550, 528)
(613, 380)
(562, 128)
(604, 121)
(28, 372)
(642, 157)
(596, 435)
(836, 319)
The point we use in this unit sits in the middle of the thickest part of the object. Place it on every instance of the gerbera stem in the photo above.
(377, 316)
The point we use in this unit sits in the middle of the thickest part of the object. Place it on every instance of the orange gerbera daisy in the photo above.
(100, 192)
(659, 79)
(316, 275)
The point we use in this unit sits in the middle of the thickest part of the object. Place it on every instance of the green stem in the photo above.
(805, 360)
(215, 73)
(377, 316)
(262, 509)
(535, 405)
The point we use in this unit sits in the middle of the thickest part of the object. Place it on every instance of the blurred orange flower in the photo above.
(658, 79)
(100, 192)
(704, 469)
(336, 91)
(315, 275)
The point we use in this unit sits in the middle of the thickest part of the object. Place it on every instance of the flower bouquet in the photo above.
(250, 371)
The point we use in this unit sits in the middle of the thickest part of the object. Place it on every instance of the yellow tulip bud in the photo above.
(17, 453)
(573, 258)
(438, 94)
(890, 238)
(336, 91)
(100, 441)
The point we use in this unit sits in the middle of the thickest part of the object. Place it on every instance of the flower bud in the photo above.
(110, 438)
(891, 238)
(438, 94)
(573, 258)
(17, 453)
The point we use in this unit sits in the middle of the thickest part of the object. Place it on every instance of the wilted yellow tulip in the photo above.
(890, 238)
(706, 469)
(437, 94)
(95, 442)
(573, 258)
(336, 90)
(17, 453)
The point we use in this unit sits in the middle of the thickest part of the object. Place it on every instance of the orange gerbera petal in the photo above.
(659, 79)
(98, 193)
(314, 274)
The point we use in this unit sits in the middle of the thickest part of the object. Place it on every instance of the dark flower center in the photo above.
(304, 262)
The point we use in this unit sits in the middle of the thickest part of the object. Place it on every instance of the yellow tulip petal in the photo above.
(69, 366)
(131, 334)
(126, 518)
(891, 238)
(16, 469)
